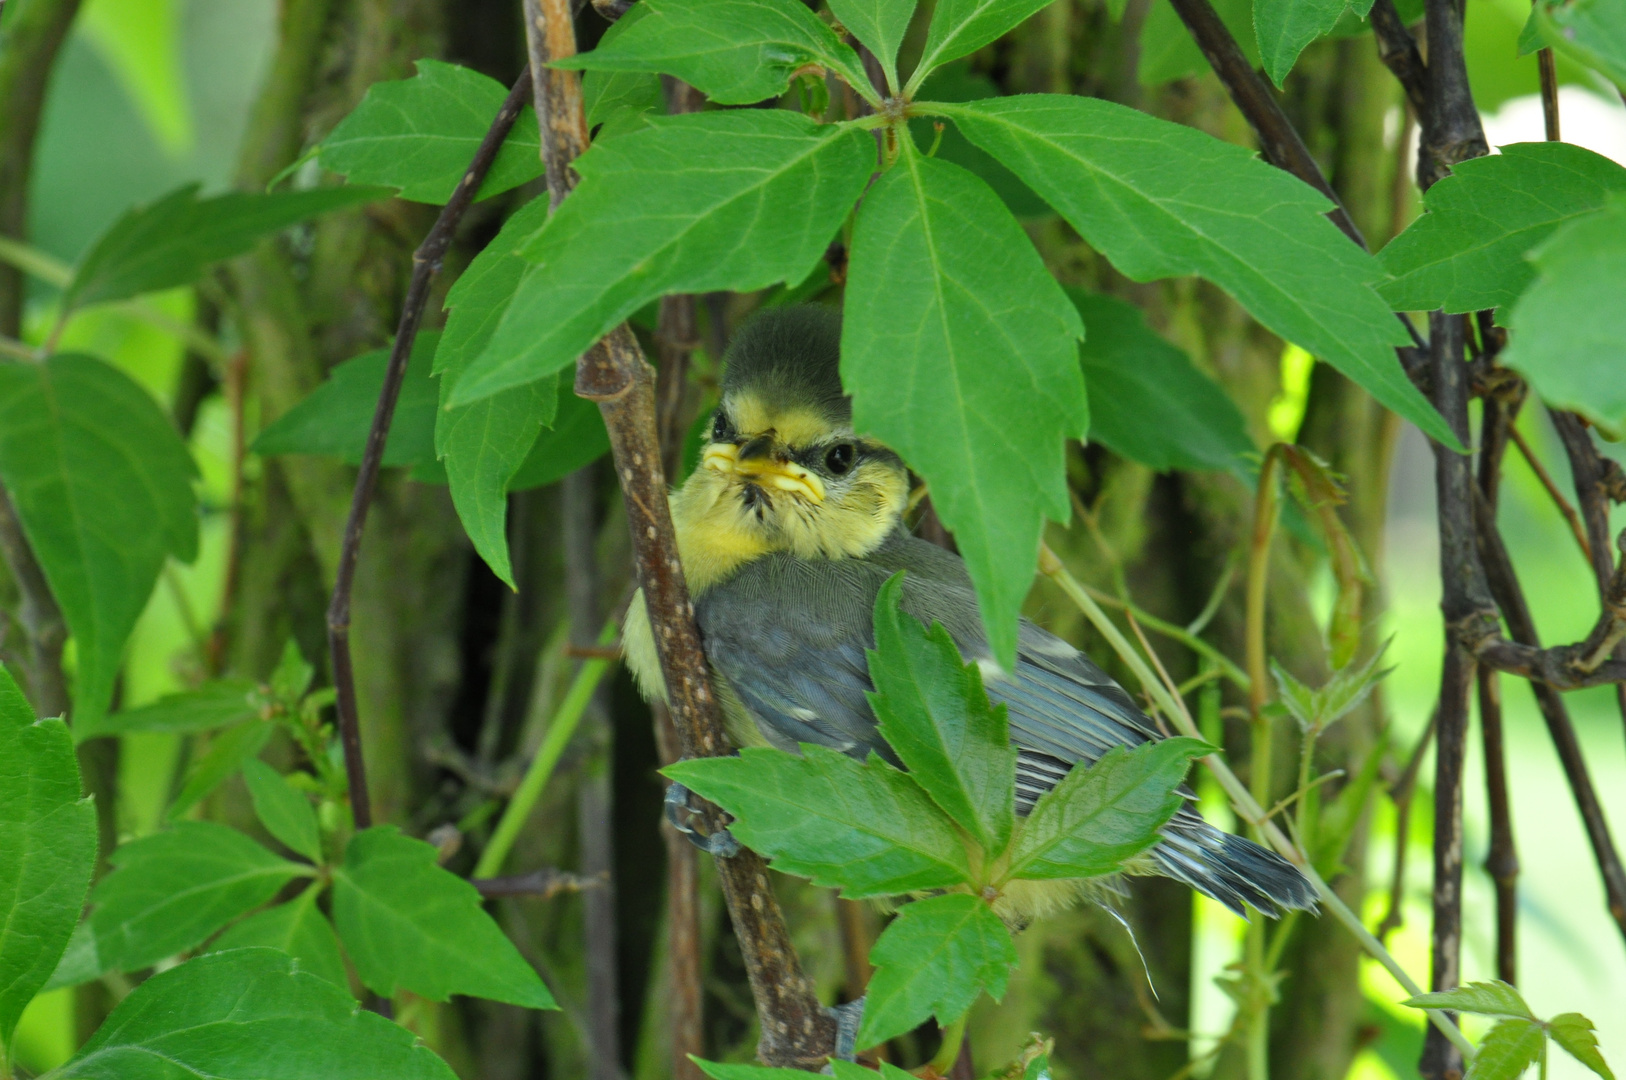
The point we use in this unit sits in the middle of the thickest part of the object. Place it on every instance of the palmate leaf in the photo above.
(934, 959)
(170, 242)
(1285, 27)
(217, 704)
(1148, 402)
(1097, 818)
(1467, 252)
(960, 27)
(1160, 199)
(1576, 1034)
(297, 928)
(1557, 339)
(1592, 32)
(865, 827)
(879, 25)
(933, 712)
(285, 812)
(170, 891)
(418, 135)
(723, 200)
(47, 851)
(248, 1014)
(733, 51)
(1494, 998)
(1507, 1050)
(410, 925)
(103, 486)
(960, 352)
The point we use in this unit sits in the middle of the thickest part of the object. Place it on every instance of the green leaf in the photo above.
(285, 812)
(960, 352)
(879, 25)
(1592, 32)
(1494, 998)
(418, 135)
(172, 241)
(292, 676)
(80, 962)
(103, 486)
(333, 421)
(1148, 401)
(724, 200)
(957, 82)
(733, 51)
(935, 958)
(227, 752)
(1506, 1051)
(1316, 710)
(729, 1070)
(47, 852)
(960, 27)
(1168, 51)
(1467, 252)
(617, 102)
(409, 925)
(248, 1014)
(1099, 817)
(1575, 1034)
(1160, 199)
(169, 891)
(1285, 27)
(934, 713)
(865, 827)
(216, 704)
(577, 437)
(1556, 338)
(297, 928)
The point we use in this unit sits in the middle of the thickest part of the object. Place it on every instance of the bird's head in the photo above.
(782, 468)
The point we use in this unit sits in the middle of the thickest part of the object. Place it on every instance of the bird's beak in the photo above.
(757, 462)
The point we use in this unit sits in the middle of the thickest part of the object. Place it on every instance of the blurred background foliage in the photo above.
(149, 94)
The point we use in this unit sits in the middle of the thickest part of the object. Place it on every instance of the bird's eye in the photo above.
(719, 427)
(839, 458)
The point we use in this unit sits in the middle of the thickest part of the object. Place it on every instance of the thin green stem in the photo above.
(1224, 664)
(949, 1052)
(31, 260)
(1242, 801)
(1258, 1044)
(547, 756)
(17, 350)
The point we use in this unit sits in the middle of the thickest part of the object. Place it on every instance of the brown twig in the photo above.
(614, 373)
(425, 264)
(1398, 51)
(544, 884)
(1401, 795)
(1557, 496)
(1549, 93)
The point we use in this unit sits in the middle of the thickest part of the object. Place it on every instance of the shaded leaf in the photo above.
(934, 959)
(1160, 199)
(410, 925)
(577, 437)
(1575, 1033)
(248, 1014)
(866, 828)
(1148, 401)
(1506, 1051)
(103, 486)
(47, 852)
(1168, 51)
(1592, 32)
(1467, 252)
(172, 241)
(334, 419)
(1492, 998)
(933, 712)
(216, 704)
(732, 1070)
(959, 27)
(1099, 817)
(957, 82)
(733, 51)
(169, 891)
(80, 962)
(285, 812)
(418, 135)
(879, 25)
(960, 352)
(227, 752)
(724, 200)
(619, 101)
(1572, 357)
(297, 928)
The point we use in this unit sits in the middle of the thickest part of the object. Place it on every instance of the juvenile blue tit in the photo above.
(788, 528)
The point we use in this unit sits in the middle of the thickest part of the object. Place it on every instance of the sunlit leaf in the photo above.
(103, 486)
(419, 134)
(410, 925)
(1575, 1033)
(1506, 1051)
(1492, 998)
(935, 959)
(865, 827)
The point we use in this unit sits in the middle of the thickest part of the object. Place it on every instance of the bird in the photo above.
(788, 527)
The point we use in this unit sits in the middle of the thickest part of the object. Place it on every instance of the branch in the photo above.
(795, 1030)
(1557, 496)
(544, 884)
(425, 264)
(44, 630)
(1398, 51)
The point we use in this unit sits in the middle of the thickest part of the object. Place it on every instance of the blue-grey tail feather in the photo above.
(1231, 869)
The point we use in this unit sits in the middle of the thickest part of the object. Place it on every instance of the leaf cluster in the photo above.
(945, 830)
(1518, 1040)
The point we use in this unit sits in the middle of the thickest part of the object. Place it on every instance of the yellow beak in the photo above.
(765, 470)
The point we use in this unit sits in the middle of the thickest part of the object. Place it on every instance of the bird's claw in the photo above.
(683, 815)
(847, 1018)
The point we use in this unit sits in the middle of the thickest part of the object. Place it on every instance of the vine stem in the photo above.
(1242, 801)
(425, 264)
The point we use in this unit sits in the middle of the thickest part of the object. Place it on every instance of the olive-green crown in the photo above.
(790, 358)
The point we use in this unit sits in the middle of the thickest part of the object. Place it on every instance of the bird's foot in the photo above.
(683, 815)
(847, 1017)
